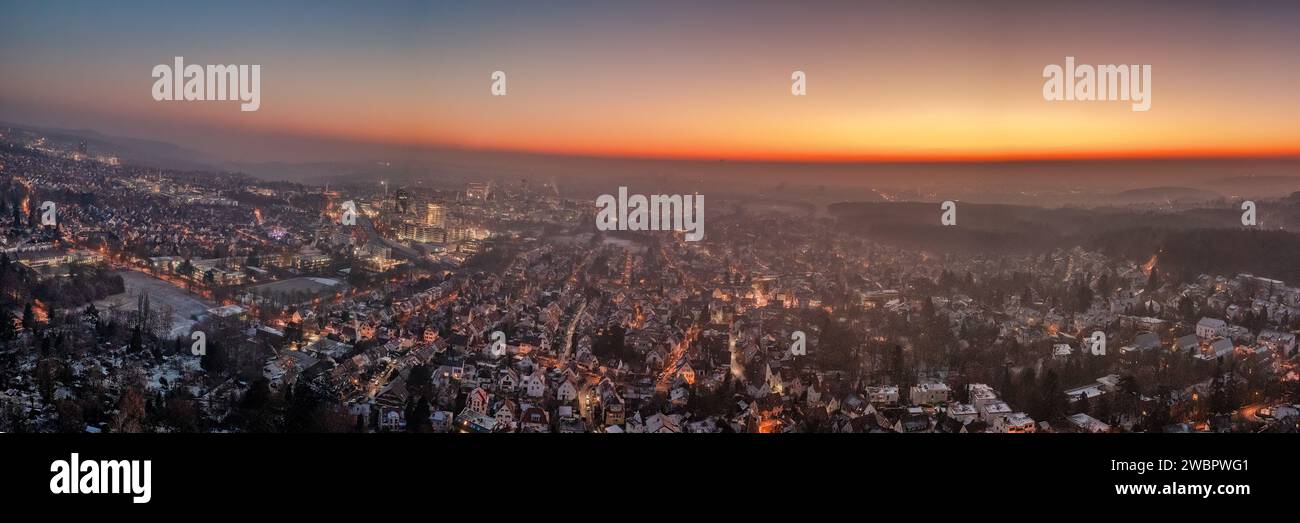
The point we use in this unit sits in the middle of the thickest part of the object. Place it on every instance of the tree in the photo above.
(302, 413)
(417, 417)
(29, 317)
(1054, 404)
(47, 376)
(91, 316)
(898, 367)
(1218, 399)
(7, 332)
(1129, 396)
(259, 394)
(130, 412)
(70, 417)
(137, 339)
(1159, 416)
(610, 343)
(1084, 296)
(214, 358)
(420, 380)
(185, 268)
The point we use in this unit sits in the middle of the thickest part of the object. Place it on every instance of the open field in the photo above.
(184, 305)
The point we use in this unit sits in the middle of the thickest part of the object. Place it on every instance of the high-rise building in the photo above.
(477, 191)
(411, 231)
(434, 215)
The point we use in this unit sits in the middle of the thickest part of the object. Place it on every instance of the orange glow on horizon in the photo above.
(741, 153)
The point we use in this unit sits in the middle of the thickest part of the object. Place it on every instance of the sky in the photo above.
(886, 81)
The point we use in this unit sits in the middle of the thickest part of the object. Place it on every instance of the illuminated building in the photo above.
(434, 215)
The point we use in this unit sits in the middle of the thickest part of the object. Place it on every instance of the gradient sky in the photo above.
(886, 80)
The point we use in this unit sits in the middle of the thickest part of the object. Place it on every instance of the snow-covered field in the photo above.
(161, 294)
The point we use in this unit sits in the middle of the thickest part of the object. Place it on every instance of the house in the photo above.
(507, 413)
(478, 401)
(1188, 343)
(686, 373)
(614, 412)
(992, 410)
(1218, 348)
(327, 348)
(1145, 341)
(887, 395)
(570, 375)
(679, 396)
(283, 371)
(392, 419)
(1087, 423)
(655, 359)
(566, 392)
(1210, 327)
(661, 423)
(1109, 382)
(568, 422)
(583, 356)
(930, 393)
(446, 375)
(534, 420)
(634, 425)
(534, 385)
(1014, 423)
(526, 364)
(914, 421)
(440, 421)
(1283, 342)
(773, 380)
(507, 380)
(471, 421)
(980, 395)
(813, 394)
(469, 377)
(962, 412)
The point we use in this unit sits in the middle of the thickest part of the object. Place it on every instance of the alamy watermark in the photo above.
(498, 87)
(214, 82)
(657, 212)
(76, 476)
(1103, 82)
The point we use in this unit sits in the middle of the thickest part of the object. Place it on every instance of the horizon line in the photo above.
(1170, 154)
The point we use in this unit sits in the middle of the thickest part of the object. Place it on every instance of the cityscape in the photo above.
(499, 306)
(429, 217)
